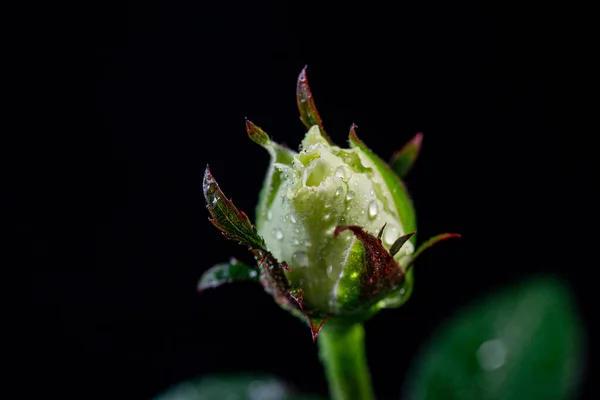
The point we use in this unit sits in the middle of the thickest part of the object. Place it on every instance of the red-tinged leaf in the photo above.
(276, 283)
(403, 160)
(235, 224)
(306, 105)
(430, 242)
(378, 272)
(316, 324)
(231, 271)
(256, 134)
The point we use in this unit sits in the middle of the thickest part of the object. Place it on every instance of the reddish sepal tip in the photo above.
(314, 328)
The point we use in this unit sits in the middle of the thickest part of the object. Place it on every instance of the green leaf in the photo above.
(239, 387)
(306, 105)
(403, 160)
(225, 273)
(523, 343)
(233, 223)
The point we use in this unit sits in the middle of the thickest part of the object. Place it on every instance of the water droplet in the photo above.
(373, 210)
(326, 217)
(307, 243)
(402, 291)
(491, 354)
(350, 195)
(301, 258)
(269, 215)
(278, 233)
(252, 274)
(331, 273)
(343, 172)
(291, 218)
(295, 241)
(390, 234)
(338, 191)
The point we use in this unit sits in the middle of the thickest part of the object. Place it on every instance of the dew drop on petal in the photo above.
(491, 354)
(390, 234)
(291, 218)
(278, 233)
(269, 215)
(343, 172)
(301, 258)
(295, 241)
(338, 191)
(373, 209)
(331, 273)
(350, 195)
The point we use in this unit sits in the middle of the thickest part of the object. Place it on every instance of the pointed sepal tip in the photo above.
(316, 325)
(306, 105)
(257, 134)
(403, 160)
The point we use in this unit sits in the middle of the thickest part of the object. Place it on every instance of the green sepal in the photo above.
(273, 178)
(257, 135)
(370, 274)
(402, 200)
(222, 273)
(403, 160)
(234, 224)
(306, 105)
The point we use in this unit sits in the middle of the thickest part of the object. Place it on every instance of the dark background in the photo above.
(119, 232)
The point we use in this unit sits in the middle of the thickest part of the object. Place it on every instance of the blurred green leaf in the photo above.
(523, 343)
(222, 273)
(233, 387)
(403, 159)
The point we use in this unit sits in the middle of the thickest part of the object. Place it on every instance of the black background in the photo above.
(119, 231)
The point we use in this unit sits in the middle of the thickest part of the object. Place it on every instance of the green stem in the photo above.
(342, 352)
